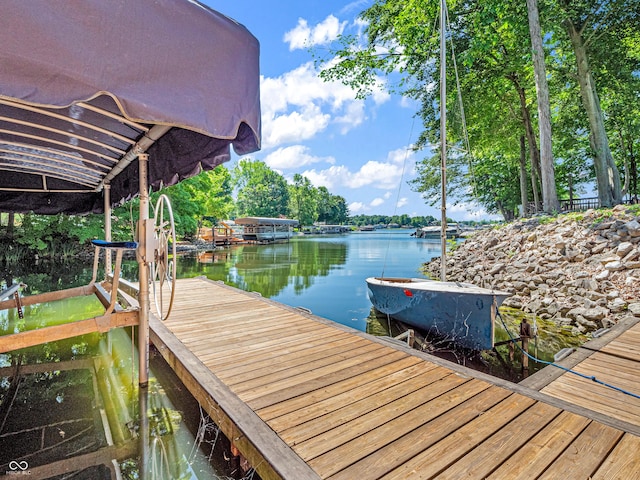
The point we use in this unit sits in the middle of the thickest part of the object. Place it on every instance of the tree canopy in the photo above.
(592, 71)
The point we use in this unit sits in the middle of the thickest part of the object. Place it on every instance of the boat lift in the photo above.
(108, 100)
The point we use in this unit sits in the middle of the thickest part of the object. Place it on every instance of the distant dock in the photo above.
(302, 397)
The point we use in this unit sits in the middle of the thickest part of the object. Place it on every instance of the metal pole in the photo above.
(107, 228)
(106, 195)
(143, 274)
(144, 439)
(443, 141)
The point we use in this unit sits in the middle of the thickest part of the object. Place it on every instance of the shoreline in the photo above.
(579, 270)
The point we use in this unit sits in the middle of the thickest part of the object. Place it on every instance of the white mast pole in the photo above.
(443, 140)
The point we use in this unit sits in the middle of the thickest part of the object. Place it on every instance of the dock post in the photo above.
(525, 335)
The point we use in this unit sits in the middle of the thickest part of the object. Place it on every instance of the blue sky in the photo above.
(359, 149)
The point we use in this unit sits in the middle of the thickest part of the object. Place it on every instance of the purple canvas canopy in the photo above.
(85, 85)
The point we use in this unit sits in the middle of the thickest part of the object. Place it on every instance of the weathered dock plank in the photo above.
(302, 397)
(601, 376)
(497, 448)
(320, 402)
(622, 462)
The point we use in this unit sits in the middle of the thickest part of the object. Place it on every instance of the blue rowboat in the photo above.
(459, 312)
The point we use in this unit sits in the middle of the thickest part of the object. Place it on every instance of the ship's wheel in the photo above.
(163, 266)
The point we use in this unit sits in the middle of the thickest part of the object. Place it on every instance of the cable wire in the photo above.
(568, 370)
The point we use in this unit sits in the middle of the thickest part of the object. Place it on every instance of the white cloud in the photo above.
(357, 207)
(299, 105)
(357, 5)
(295, 156)
(294, 126)
(377, 174)
(469, 211)
(385, 175)
(303, 36)
(330, 178)
(377, 202)
(354, 115)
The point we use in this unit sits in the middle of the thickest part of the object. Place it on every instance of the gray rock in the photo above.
(634, 308)
(597, 313)
(615, 266)
(603, 275)
(617, 305)
(633, 228)
(623, 249)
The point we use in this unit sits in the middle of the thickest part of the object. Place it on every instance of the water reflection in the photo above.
(267, 269)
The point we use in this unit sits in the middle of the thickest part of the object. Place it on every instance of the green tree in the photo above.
(303, 200)
(496, 84)
(332, 209)
(339, 209)
(261, 191)
(599, 57)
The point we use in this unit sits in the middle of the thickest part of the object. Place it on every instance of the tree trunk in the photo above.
(549, 194)
(523, 177)
(10, 225)
(607, 174)
(531, 140)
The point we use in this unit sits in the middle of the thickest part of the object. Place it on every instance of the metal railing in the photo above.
(575, 204)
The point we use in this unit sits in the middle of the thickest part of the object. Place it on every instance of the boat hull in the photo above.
(461, 313)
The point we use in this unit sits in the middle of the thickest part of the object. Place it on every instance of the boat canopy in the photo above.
(265, 221)
(88, 85)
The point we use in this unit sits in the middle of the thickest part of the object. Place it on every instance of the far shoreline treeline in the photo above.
(250, 188)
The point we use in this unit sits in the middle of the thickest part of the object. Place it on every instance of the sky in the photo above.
(358, 149)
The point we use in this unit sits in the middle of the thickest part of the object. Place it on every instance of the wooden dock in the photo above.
(613, 359)
(306, 398)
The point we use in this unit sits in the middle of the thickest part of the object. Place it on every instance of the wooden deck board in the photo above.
(613, 361)
(433, 460)
(543, 449)
(342, 395)
(313, 382)
(482, 460)
(261, 366)
(351, 418)
(583, 458)
(304, 398)
(301, 365)
(316, 401)
(623, 461)
(387, 449)
(386, 422)
(593, 396)
(248, 345)
(287, 346)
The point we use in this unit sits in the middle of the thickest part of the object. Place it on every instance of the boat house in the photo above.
(265, 229)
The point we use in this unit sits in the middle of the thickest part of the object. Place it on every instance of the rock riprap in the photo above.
(580, 270)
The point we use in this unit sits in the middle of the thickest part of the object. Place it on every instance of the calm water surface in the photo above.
(325, 274)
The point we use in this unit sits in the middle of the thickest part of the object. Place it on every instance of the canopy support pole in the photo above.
(143, 273)
(107, 228)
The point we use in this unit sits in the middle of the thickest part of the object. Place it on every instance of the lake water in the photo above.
(325, 274)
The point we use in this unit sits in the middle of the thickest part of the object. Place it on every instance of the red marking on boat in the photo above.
(408, 293)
